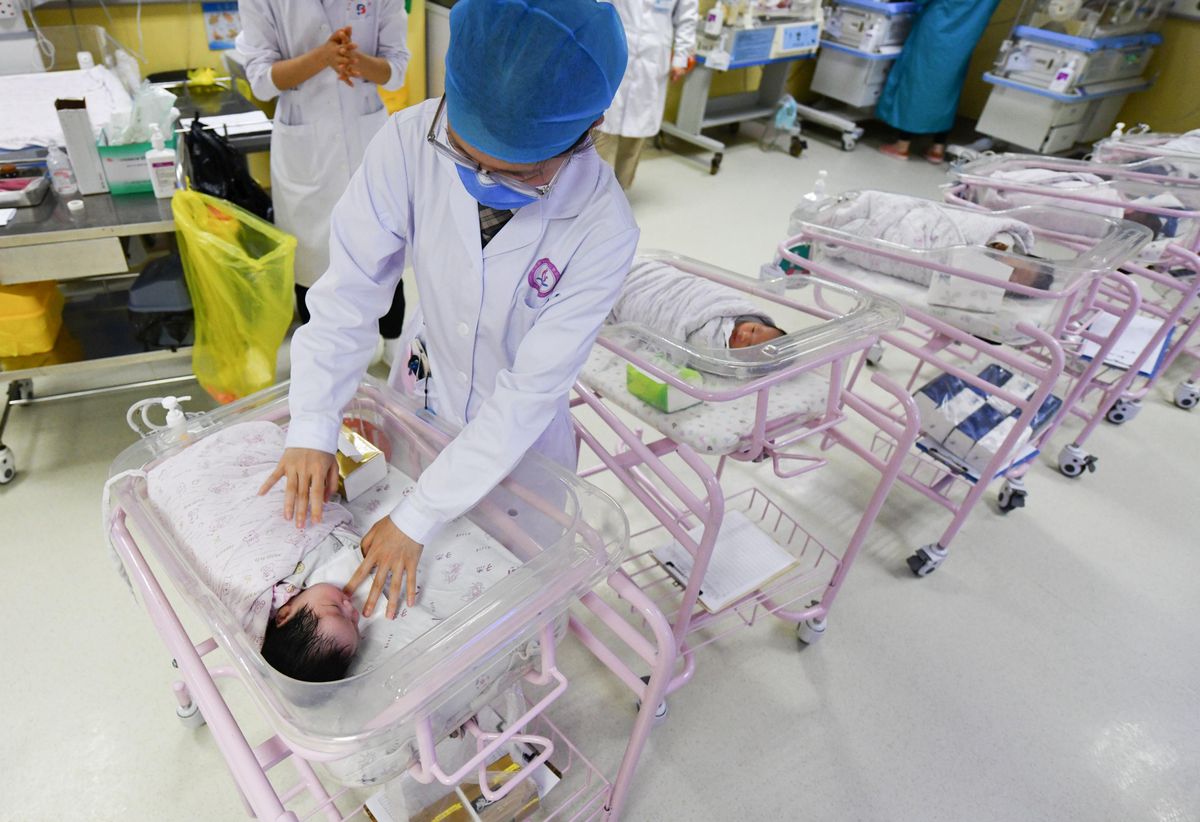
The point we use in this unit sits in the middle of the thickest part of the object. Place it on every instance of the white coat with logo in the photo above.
(322, 126)
(507, 328)
(661, 35)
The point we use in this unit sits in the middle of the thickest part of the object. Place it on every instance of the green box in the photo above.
(666, 398)
(125, 166)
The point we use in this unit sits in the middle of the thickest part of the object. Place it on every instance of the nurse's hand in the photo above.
(312, 477)
(386, 549)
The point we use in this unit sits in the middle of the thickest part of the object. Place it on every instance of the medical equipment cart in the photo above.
(1066, 70)
(754, 36)
(860, 43)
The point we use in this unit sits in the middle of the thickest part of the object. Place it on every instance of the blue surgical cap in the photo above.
(526, 78)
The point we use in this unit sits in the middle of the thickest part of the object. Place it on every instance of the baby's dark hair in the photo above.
(297, 650)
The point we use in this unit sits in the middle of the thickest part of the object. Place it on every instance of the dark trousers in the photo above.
(390, 323)
(940, 137)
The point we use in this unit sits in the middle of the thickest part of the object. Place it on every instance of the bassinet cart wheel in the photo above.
(1187, 394)
(190, 716)
(8, 465)
(810, 630)
(1123, 411)
(715, 166)
(1073, 461)
(1012, 495)
(658, 141)
(927, 559)
(875, 354)
(797, 146)
(849, 141)
(660, 714)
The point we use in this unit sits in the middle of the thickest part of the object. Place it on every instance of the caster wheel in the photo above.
(715, 166)
(1123, 411)
(20, 391)
(926, 560)
(1187, 394)
(8, 465)
(849, 141)
(797, 146)
(732, 129)
(190, 716)
(660, 714)
(1073, 461)
(658, 141)
(1011, 498)
(875, 354)
(810, 630)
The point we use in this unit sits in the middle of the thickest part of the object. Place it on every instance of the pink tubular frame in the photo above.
(249, 765)
(933, 342)
(641, 467)
(1172, 311)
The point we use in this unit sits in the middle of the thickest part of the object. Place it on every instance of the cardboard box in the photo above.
(520, 802)
(80, 137)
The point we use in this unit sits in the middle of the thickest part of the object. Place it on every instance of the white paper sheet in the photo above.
(1135, 339)
(744, 558)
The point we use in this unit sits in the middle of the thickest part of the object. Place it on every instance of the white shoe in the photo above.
(391, 351)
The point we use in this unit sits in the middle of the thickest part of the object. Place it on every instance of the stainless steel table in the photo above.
(48, 243)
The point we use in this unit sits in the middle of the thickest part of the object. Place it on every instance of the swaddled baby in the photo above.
(913, 223)
(685, 307)
(255, 561)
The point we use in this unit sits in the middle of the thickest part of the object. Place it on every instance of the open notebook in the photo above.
(744, 559)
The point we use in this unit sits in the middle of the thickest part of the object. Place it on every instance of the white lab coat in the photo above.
(322, 126)
(506, 337)
(661, 35)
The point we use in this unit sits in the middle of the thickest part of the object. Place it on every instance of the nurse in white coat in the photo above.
(325, 60)
(662, 40)
(519, 238)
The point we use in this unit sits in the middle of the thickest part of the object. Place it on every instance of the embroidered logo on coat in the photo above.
(543, 277)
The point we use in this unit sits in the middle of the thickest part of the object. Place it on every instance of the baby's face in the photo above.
(337, 618)
(752, 333)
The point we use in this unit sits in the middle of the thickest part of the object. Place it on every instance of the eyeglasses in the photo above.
(446, 149)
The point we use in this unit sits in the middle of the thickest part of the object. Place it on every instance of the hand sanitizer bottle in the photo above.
(161, 161)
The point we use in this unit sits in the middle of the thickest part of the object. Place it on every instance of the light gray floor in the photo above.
(1047, 672)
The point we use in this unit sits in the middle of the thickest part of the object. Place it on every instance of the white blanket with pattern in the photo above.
(680, 305)
(238, 542)
(918, 224)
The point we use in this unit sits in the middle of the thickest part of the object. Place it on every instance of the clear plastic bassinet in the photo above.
(567, 536)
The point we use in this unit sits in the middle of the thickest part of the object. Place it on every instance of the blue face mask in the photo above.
(492, 196)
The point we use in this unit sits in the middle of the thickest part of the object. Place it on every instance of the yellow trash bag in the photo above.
(239, 272)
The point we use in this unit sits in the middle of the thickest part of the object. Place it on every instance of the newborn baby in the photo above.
(256, 562)
(689, 308)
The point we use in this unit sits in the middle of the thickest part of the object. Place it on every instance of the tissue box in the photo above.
(943, 403)
(361, 466)
(125, 166)
(986, 447)
(978, 422)
(663, 396)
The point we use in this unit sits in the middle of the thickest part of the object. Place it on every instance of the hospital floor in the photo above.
(1048, 671)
